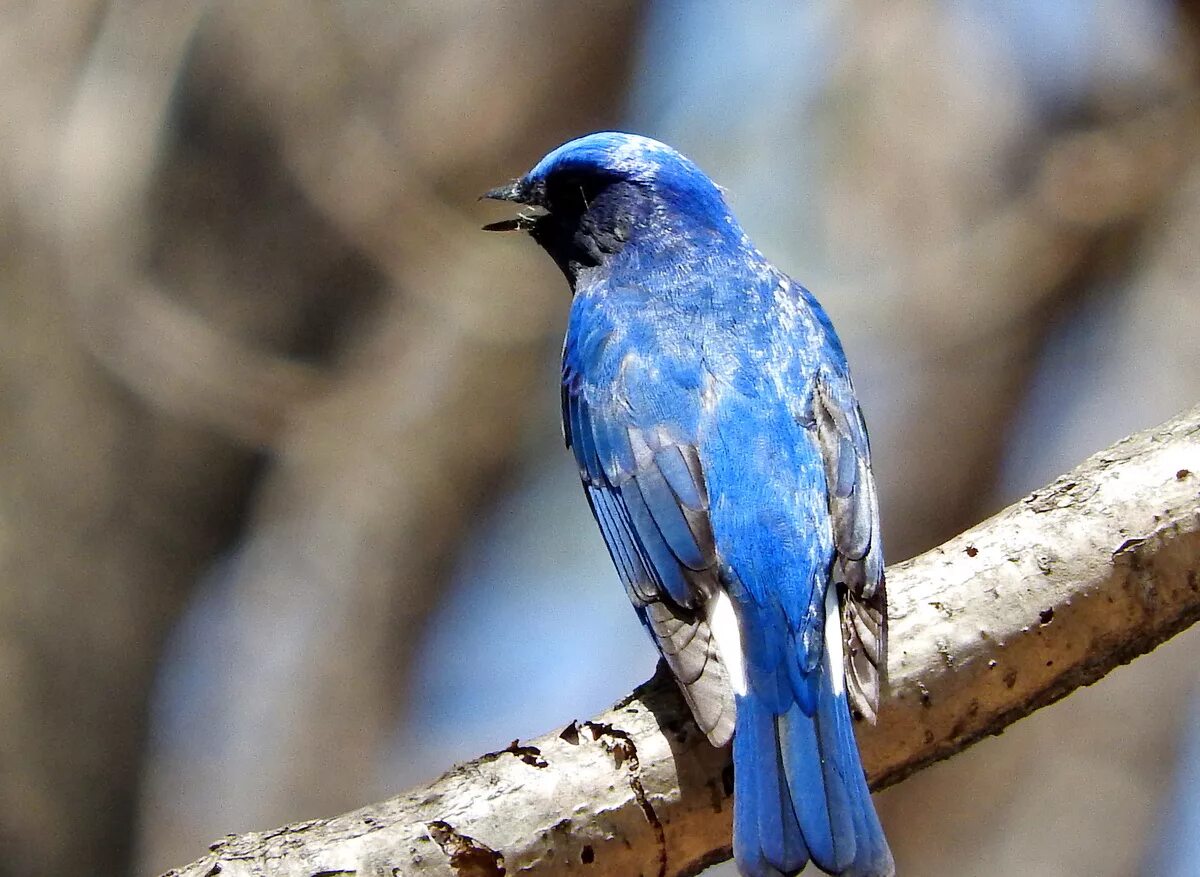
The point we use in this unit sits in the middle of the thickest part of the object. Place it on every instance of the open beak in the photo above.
(520, 222)
(513, 191)
(517, 194)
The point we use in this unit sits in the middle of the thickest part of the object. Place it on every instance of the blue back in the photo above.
(708, 403)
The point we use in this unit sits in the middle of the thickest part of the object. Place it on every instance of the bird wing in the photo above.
(648, 494)
(854, 510)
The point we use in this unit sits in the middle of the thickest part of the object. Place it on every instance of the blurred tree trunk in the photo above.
(109, 510)
(268, 244)
(391, 122)
(1078, 791)
(1028, 195)
(1038, 211)
(112, 503)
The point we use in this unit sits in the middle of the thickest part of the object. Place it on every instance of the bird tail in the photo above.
(800, 792)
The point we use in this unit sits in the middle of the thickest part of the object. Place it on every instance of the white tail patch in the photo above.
(723, 622)
(834, 647)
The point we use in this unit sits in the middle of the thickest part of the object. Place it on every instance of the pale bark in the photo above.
(1052, 593)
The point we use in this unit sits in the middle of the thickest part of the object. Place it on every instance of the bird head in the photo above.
(591, 198)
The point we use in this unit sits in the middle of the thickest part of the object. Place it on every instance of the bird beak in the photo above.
(520, 222)
(513, 191)
(517, 193)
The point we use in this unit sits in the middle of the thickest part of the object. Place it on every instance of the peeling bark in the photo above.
(1050, 594)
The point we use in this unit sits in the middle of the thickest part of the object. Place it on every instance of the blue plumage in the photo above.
(709, 407)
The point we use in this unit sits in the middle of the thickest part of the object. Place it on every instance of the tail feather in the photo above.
(807, 783)
(872, 855)
(845, 786)
(800, 792)
(767, 841)
(798, 851)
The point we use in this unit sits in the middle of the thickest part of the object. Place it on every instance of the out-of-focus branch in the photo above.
(1052, 593)
(168, 352)
(1023, 209)
(376, 478)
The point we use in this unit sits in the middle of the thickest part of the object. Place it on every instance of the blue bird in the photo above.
(708, 403)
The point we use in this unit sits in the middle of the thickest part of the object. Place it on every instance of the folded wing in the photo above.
(647, 492)
(854, 508)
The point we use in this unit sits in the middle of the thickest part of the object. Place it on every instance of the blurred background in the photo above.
(286, 524)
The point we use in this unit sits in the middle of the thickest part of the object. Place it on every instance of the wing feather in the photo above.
(854, 507)
(647, 492)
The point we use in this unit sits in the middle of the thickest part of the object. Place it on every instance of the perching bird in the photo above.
(709, 406)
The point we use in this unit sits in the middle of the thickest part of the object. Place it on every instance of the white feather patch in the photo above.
(723, 622)
(834, 647)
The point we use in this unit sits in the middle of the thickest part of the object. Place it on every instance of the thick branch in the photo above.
(1084, 575)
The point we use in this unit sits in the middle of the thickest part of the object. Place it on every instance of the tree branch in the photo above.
(1050, 594)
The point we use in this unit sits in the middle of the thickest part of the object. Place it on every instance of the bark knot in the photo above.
(468, 857)
(531, 755)
(619, 744)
